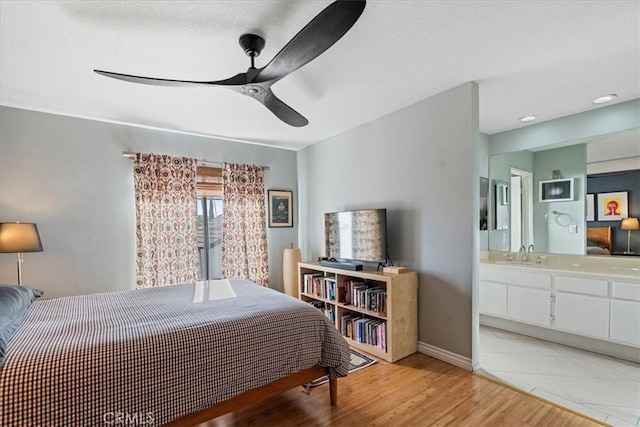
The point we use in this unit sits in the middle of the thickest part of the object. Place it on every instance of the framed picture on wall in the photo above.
(613, 206)
(591, 203)
(280, 208)
(556, 190)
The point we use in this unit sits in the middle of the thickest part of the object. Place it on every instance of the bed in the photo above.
(598, 240)
(162, 355)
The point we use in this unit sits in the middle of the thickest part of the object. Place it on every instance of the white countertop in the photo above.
(627, 268)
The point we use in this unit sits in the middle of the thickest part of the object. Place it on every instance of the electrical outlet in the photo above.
(573, 229)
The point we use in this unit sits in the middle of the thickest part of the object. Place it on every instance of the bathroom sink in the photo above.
(518, 263)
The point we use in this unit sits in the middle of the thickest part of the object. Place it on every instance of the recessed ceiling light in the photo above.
(527, 118)
(604, 99)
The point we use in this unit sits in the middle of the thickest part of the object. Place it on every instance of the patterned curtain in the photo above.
(244, 230)
(166, 220)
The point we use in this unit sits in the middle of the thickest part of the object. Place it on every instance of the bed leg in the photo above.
(333, 391)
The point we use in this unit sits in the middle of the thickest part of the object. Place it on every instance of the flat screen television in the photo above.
(359, 235)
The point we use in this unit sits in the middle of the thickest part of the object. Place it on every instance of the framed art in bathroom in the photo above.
(556, 190)
(613, 206)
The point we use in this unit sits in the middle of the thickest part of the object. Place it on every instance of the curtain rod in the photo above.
(132, 155)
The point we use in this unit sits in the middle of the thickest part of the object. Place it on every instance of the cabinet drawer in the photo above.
(626, 290)
(579, 285)
(512, 277)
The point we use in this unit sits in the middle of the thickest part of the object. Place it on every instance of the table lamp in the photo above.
(19, 237)
(629, 224)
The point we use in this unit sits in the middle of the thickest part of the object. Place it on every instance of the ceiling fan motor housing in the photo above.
(252, 44)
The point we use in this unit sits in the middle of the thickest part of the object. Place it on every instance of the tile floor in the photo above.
(601, 387)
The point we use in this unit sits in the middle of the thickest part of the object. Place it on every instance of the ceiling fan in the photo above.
(316, 37)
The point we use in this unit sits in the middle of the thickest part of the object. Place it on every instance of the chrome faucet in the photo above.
(530, 250)
(523, 251)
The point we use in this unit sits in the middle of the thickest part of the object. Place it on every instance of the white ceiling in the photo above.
(548, 58)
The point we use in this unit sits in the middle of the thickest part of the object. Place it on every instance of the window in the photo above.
(210, 217)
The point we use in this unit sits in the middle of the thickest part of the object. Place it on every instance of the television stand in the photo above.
(389, 317)
(353, 266)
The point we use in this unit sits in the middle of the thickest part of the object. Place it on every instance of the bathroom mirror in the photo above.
(501, 205)
(553, 226)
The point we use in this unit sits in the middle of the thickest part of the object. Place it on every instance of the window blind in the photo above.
(209, 181)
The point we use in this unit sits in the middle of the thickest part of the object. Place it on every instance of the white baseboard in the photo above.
(445, 355)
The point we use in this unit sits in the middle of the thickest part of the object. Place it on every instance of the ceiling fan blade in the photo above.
(238, 79)
(283, 111)
(316, 37)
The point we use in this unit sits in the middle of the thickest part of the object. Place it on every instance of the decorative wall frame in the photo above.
(591, 204)
(613, 206)
(280, 208)
(556, 190)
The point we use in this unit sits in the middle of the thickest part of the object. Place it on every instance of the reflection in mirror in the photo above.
(531, 223)
(501, 205)
(520, 209)
(559, 223)
(484, 208)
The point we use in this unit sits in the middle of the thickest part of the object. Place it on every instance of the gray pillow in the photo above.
(14, 302)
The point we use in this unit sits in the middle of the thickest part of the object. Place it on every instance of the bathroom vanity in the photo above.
(581, 301)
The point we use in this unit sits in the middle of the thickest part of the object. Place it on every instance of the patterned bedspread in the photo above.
(149, 356)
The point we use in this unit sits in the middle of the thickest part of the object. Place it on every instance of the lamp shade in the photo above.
(630, 224)
(18, 237)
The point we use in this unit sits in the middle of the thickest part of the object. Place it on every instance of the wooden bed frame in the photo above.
(601, 235)
(259, 394)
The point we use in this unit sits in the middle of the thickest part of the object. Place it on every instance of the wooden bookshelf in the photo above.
(393, 306)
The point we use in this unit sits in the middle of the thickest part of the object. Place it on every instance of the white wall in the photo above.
(68, 176)
(551, 236)
(421, 163)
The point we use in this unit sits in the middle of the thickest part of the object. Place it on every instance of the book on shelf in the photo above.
(330, 312)
(316, 284)
(348, 290)
(364, 330)
(307, 282)
(329, 288)
(369, 297)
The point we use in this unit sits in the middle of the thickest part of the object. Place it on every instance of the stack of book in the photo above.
(364, 330)
(346, 292)
(368, 297)
(319, 286)
(307, 282)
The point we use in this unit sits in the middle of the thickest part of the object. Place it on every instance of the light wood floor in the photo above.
(416, 391)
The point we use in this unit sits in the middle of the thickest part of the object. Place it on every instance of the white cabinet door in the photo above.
(583, 314)
(493, 298)
(625, 322)
(529, 305)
